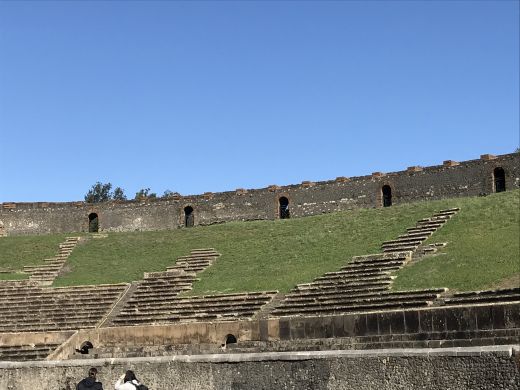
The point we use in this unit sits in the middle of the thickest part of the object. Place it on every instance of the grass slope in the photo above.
(17, 251)
(483, 247)
(259, 255)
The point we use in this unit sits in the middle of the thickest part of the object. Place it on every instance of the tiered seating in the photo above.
(198, 260)
(32, 308)
(359, 286)
(197, 308)
(158, 287)
(416, 235)
(486, 296)
(26, 352)
(46, 274)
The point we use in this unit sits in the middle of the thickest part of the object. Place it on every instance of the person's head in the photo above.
(92, 372)
(129, 376)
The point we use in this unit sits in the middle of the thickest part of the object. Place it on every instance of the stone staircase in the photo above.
(32, 308)
(45, 274)
(364, 283)
(26, 352)
(416, 235)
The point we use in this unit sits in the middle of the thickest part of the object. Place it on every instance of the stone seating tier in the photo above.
(335, 291)
(44, 309)
(355, 308)
(433, 293)
(485, 296)
(381, 297)
(201, 303)
(186, 311)
(360, 282)
(344, 275)
(310, 289)
(196, 308)
(26, 352)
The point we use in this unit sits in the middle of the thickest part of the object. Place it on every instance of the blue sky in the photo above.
(212, 96)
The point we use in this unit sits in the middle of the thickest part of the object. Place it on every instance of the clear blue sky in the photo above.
(215, 95)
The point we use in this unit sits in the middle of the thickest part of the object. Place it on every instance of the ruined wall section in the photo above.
(452, 179)
(480, 368)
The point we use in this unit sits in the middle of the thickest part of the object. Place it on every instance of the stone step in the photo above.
(421, 230)
(403, 240)
(359, 294)
(349, 308)
(400, 249)
(418, 236)
(347, 301)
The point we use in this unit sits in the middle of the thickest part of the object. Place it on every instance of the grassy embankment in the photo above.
(483, 249)
(15, 252)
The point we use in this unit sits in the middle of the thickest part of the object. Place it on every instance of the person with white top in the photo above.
(127, 381)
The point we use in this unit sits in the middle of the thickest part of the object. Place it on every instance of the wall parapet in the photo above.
(416, 183)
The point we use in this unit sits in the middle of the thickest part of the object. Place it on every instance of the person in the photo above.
(90, 383)
(127, 381)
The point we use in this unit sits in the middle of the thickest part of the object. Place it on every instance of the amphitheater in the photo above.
(345, 324)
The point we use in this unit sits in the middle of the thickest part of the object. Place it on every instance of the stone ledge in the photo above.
(502, 350)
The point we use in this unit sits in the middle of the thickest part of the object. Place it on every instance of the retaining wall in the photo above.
(438, 369)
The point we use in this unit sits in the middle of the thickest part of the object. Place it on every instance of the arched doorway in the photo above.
(387, 195)
(231, 339)
(188, 216)
(499, 177)
(283, 208)
(93, 223)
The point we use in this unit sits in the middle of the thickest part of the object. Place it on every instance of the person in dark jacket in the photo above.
(90, 383)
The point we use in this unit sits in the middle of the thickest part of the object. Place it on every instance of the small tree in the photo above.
(119, 194)
(99, 192)
(145, 193)
(169, 194)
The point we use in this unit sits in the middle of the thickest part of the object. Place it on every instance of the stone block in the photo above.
(397, 322)
(467, 319)
(297, 328)
(285, 329)
(438, 320)
(411, 321)
(512, 316)
(384, 323)
(425, 321)
(450, 163)
(484, 315)
(360, 325)
(372, 328)
(499, 321)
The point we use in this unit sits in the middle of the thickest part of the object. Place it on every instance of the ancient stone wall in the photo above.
(452, 179)
(458, 368)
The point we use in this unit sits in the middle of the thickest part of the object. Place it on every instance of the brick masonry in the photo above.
(453, 179)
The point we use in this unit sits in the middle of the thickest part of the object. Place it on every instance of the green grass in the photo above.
(260, 255)
(17, 251)
(483, 247)
(13, 276)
